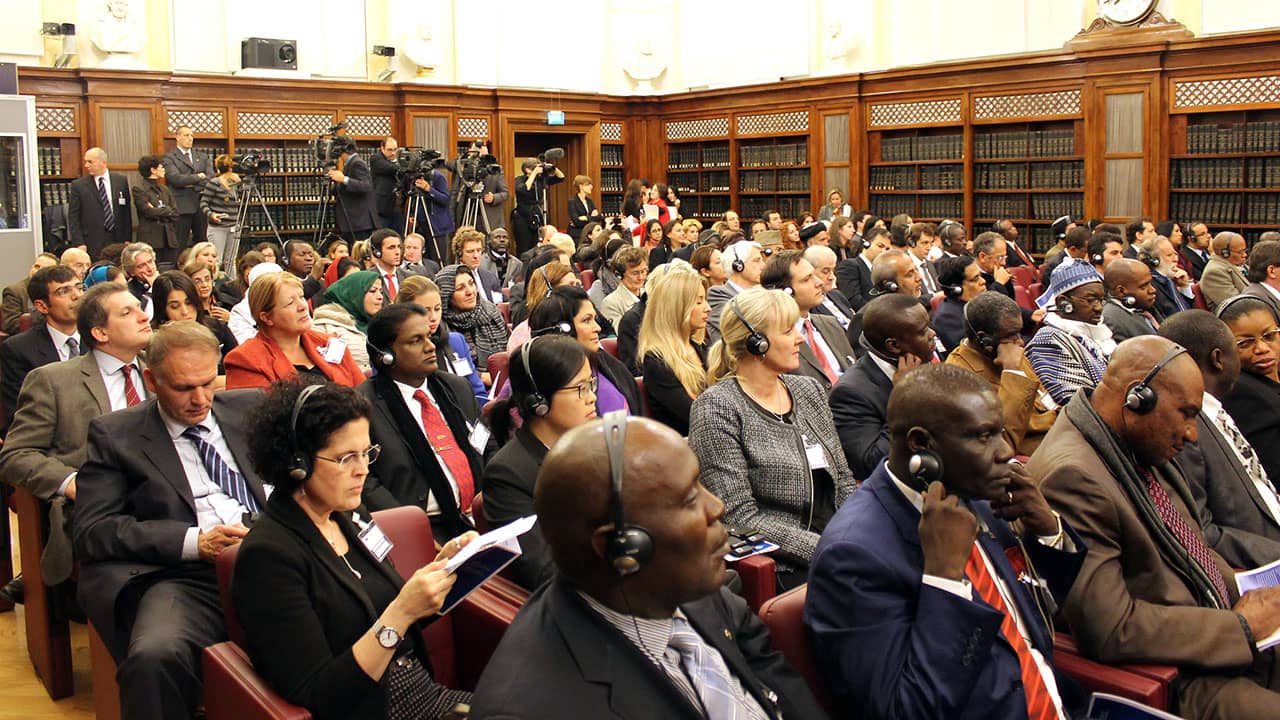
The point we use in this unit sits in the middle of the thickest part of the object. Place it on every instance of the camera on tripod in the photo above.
(251, 162)
(548, 159)
(413, 162)
(327, 147)
(474, 167)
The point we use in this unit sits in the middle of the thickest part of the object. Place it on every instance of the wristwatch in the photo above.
(388, 637)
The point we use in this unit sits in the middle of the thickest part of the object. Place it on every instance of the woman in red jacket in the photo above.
(285, 345)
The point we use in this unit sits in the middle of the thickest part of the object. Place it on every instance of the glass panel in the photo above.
(833, 178)
(835, 132)
(1124, 187)
(1125, 123)
(14, 212)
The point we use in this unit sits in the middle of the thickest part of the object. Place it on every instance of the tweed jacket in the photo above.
(1221, 280)
(766, 484)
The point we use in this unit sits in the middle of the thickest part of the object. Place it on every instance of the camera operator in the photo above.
(354, 191)
(432, 219)
(527, 217)
(494, 187)
(383, 165)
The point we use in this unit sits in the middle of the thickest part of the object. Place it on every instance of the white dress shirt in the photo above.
(415, 409)
(109, 366)
(213, 506)
(60, 341)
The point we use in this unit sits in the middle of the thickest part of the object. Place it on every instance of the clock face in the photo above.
(1125, 12)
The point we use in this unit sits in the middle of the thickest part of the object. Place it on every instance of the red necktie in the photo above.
(391, 286)
(1025, 258)
(1039, 702)
(1188, 538)
(440, 437)
(817, 351)
(131, 397)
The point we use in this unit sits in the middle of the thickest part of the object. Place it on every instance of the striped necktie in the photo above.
(108, 215)
(722, 697)
(1187, 537)
(231, 482)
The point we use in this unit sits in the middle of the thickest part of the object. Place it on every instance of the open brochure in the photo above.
(1263, 577)
(483, 558)
(1113, 707)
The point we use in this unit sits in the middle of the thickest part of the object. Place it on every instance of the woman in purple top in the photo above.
(568, 311)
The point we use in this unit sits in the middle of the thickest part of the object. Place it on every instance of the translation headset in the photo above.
(536, 403)
(954, 291)
(376, 250)
(1222, 307)
(385, 358)
(1141, 398)
(1151, 260)
(986, 341)
(925, 466)
(885, 287)
(628, 547)
(299, 463)
(1226, 251)
(757, 343)
(738, 264)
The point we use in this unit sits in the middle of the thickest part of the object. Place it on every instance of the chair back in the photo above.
(505, 309)
(935, 302)
(499, 362)
(225, 567)
(784, 615)
(610, 345)
(1023, 275)
(25, 321)
(588, 277)
(644, 398)
(1025, 301)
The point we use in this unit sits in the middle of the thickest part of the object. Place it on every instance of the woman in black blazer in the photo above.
(565, 382)
(582, 209)
(330, 624)
(1254, 402)
(569, 311)
(672, 343)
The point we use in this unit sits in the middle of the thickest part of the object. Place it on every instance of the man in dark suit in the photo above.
(1235, 499)
(825, 353)
(897, 338)
(1131, 298)
(894, 271)
(992, 252)
(853, 275)
(1196, 248)
(164, 491)
(384, 245)
(834, 303)
(429, 203)
(385, 176)
(648, 635)
(426, 421)
(1264, 274)
(913, 612)
(45, 445)
(355, 200)
(1172, 283)
(1017, 256)
(185, 172)
(55, 292)
(468, 249)
(98, 211)
(16, 298)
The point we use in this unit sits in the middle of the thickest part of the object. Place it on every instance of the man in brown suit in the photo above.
(1151, 590)
(993, 349)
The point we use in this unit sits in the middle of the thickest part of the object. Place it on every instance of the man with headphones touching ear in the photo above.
(433, 440)
(1152, 590)
(1223, 275)
(636, 622)
(1131, 300)
(913, 611)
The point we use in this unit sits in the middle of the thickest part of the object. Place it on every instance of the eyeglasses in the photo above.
(348, 461)
(1248, 343)
(583, 388)
(1094, 300)
(65, 290)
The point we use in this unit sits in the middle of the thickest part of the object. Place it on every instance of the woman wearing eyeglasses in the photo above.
(553, 390)
(330, 623)
(1254, 402)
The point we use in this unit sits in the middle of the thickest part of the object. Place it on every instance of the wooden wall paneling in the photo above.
(967, 172)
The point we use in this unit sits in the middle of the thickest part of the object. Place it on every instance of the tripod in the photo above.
(415, 203)
(249, 195)
(473, 208)
(322, 211)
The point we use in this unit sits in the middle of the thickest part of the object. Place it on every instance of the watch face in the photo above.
(388, 637)
(1125, 12)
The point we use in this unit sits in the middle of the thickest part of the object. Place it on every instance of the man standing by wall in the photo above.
(98, 212)
(383, 166)
(185, 172)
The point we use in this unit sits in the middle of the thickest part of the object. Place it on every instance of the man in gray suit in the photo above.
(1131, 300)
(1223, 275)
(185, 172)
(45, 447)
(1264, 271)
(825, 353)
(1236, 501)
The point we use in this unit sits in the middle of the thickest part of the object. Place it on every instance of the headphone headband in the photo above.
(628, 547)
(537, 402)
(300, 466)
(1142, 398)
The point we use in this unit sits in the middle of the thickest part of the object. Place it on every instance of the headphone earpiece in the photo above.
(1141, 398)
(299, 464)
(1095, 259)
(865, 242)
(788, 290)
(1129, 301)
(888, 287)
(757, 343)
(954, 291)
(986, 342)
(738, 264)
(628, 547)
(1066, 307)
(925, 466)
(376, 250)
(1225, 252)
(384, 358)
(536, 403)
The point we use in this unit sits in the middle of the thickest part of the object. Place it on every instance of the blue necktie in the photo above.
(721, 697)
(231, 482)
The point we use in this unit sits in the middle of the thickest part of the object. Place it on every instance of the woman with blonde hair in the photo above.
(286, 346)
(765, 440)
(206, 252)
(673, 345)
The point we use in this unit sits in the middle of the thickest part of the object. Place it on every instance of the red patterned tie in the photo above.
(1189, 538)
(131, 397)
(1039, 702)
(822, 357)
(441, 440)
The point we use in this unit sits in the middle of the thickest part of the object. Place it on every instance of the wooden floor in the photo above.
(22, 697)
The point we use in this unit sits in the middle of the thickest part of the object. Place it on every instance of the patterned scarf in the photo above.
(482, 326)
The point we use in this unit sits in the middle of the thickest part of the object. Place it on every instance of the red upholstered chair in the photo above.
(1200, 303)
(784, 615)
(759, 579)
(935, 302)
(477, 513)
(505, 309)
(1035, 290)
(25, 320)
(644, 399)
(459, 643)
(498, 364)
(588, 278)
(1024, 298)
(1023, 275)
(610, 345)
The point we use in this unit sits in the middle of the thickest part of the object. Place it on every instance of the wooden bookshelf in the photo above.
(1224, 170)
(1030, 173)
(612, 182)
(919, 172)
(700, 173)
(773, 174)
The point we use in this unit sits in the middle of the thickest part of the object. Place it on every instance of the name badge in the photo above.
(462, 366)
(1047, 400)
(479, 437)
(122, 201)
(497, 297)
(334, 351)
(816, 456)
(373, 539)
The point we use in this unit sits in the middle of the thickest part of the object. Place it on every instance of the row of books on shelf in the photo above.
(931, 177)
(1225, 173)
(611, 155)
(771, 155)
(706, 206)
(1033, 176)
(54, 192)
(942, 177)
(753, 208)
(699, 182)
(612, 181)
(773, 181)
(1040, 239)
(287, 160)
(894, 178)
(1046, 205)
(941, 206)
(1024, 143)
(1055, 205)
(1253, 209)
(611, 205)
(210, 150)
(49, 160)
(925, 147)
(1260, 136)
(692, 157)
